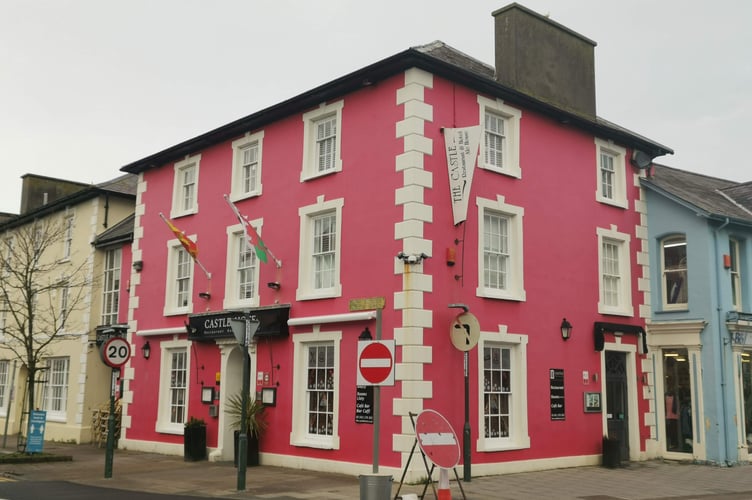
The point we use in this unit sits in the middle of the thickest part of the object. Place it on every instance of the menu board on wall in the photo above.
(364, 404)
(556, 376)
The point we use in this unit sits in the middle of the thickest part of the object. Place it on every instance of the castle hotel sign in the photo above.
(216, 325)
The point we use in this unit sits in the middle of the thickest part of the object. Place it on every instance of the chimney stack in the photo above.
(545, 60)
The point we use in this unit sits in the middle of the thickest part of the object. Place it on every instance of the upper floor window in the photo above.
(320, 252)
(503, 392)
(185, 189)
(736, 282)
(241, 284)
(64, 288)
(173, 387)
(178, 296)
(111, 286)
(68, 237)
(500, 270)
(3, 319)
(316, 390)
(614, 270)
(500, 141)
(322, 139)
(612, 174)
(674, 272)
(246, 166)
(55, 389)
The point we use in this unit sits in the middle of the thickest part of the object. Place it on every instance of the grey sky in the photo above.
(88, 86)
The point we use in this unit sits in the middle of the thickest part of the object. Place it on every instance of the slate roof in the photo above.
(710, 196)
(122, 232)
(437, 58)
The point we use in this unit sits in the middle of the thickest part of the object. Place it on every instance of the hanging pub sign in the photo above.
(364, 404)
(556, 376)
(216, 325)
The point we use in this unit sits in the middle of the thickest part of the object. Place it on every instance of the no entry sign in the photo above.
(437, 439)
(376, 362)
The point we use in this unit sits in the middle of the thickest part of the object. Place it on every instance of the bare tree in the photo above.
(40, 289)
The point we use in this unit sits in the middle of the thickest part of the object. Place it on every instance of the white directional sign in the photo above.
(464, 331)
(116, 352)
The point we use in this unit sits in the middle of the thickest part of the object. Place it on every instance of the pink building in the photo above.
(357, 190)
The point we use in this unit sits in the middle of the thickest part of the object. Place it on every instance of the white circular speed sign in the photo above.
(116, 352)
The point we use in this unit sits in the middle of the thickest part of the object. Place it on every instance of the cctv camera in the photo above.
(412, 259)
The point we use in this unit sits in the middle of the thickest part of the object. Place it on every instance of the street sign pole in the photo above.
(243, 331)
(376, 405)
(467, 475)
(110, 452)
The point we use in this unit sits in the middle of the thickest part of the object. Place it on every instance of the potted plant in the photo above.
(255, 424)
(194, 440)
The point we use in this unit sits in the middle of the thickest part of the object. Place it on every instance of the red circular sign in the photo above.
(437, 439)
(116, 352)
(375, 363)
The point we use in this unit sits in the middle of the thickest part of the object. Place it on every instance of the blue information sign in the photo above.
(35, 439)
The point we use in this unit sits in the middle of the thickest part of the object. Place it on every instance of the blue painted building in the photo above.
(699, 327)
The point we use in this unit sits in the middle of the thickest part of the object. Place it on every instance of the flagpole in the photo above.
(245, 222)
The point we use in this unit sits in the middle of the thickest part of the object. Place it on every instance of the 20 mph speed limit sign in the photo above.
(116, 352)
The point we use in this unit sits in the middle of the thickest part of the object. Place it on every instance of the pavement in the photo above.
(149, 472)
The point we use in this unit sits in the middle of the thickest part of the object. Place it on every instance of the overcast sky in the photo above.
(88, 86)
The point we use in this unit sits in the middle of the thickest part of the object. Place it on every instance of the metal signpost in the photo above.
(244, 330)
(115, 353)
(464, 333)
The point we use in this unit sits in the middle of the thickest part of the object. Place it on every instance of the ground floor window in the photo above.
(4, 386)
(502, 368)
(677, 396)
(55, 389)
(316, 401)
(747, 394)
(173, 387)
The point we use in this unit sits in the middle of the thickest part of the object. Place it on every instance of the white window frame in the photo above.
(515, 286)
(5, 377)
(510, 164)
(519, 437)
(63, 382)
(622, 240)
(735, 274)
(678, 306)
(174, 248)
(309, 169)
(618, 195)
(306, 290)
(68, 237)
(236, 237)
(112, 264)
(64, 312)
(299, 435)
(239, 146)
(164, 424)
(4, 309)
(178, 207)
(9, 250)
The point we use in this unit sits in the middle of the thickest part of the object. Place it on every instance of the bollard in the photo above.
(444, 492)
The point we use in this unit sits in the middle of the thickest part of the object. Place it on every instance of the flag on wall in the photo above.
(189, 245)
(252, 236)
(461, 152)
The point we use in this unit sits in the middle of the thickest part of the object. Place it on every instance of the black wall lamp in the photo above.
(566, 329)
(138, 265)
(146, 350)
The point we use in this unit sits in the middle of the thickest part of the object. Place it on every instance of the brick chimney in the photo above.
(545, 60)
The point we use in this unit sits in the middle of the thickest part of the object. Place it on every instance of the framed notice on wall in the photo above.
(592, 402)
(556, 376)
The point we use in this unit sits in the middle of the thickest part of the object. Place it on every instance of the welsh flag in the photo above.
(262, 252)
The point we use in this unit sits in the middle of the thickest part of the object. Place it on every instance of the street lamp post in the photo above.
(243, 330)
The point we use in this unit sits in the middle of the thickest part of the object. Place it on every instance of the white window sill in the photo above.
(244, 196)
(615, 312)
(174, 214)
(177, 312)
(621, 203)
(515, 172)
(491, 293)
(329, 293)
(319, 444)
(308, 176)
(491, 445)
(177, 429)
